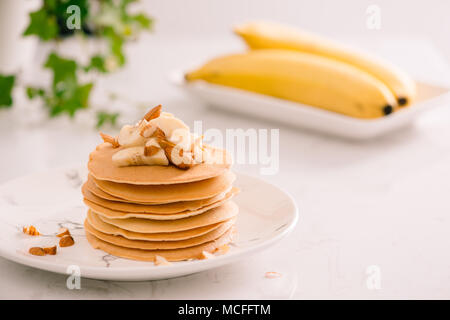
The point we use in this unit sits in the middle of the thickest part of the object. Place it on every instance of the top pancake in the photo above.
(102, 168)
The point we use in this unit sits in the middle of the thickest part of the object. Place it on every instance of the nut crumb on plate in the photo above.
(66, 241)
(37, 251)
(272, 275)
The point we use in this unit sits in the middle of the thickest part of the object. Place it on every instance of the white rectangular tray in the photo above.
(308, 117)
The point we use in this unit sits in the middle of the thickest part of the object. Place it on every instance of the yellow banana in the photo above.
(267, 35)
(301, 77)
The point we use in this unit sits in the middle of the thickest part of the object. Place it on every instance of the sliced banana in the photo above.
(134, 156)
(130, 136)
(168, 124)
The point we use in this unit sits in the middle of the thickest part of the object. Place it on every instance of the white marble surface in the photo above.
(382, 203)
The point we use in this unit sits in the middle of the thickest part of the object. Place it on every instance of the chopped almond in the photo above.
(153, 114)
(161, 261)
(50, 250)
(150, 150)
(145, 129)
(158, 134)
(37, 251)
(66, 241)
(207, 255)
(63, 232)
(222, 249)
(31, 230)
(168, 148)
(107, 138)
(272, 275)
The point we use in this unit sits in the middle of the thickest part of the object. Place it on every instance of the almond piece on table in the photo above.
(31, 230)
(37, 251)
(50, 250)
(63, 232)
(66, 241)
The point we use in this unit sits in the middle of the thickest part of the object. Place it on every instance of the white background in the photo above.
(404, 18)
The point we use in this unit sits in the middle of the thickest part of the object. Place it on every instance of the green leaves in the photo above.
(64, 70)
(108, 20)
(97, 63)
(115, 43)
(42, 24)
(144, 21)
(34, 92)
(66, 95)
(50, 21)
(115, 24)
(6, 86)
(104, 117)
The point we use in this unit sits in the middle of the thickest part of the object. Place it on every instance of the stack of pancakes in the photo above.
(142, 212)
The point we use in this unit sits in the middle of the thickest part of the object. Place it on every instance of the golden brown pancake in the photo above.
(92, 187)
(194, 252)
(102, 168)
(114, 214)
(169, 193)
(156, 245)
(169, 208)
(104, 227)
(225, 212)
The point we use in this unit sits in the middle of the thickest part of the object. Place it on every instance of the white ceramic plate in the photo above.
(308, 117)
(52, 199)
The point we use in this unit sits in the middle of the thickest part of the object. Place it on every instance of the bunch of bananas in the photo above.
(294, 65)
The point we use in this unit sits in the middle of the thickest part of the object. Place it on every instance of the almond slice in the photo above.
(66, 241)
(154, 113)
(161, 261)
(222, 249)
(159, 134)
(107, 138)
(207, 255)
(169, 148)
(31, 230)
(37, 251)
(50, 250)
(144, 130)
(63, 232)
(272, 275)
(150, 150)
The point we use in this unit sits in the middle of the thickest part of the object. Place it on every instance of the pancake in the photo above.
(114, 214)
(169, 193)
(225, 212)
(92, 187)
(100, 165)
(156, 245)
(168, 208)
(194, 252)
(104, 227)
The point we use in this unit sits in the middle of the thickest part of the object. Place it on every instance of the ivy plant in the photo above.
(6, 86)
(100, 19)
